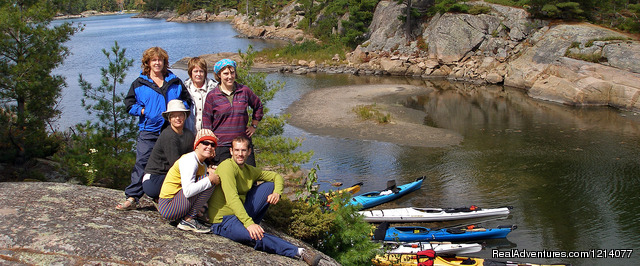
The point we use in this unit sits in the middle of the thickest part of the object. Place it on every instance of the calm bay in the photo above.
(572, 174)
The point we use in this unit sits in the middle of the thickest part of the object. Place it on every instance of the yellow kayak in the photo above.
(417, 259)
(352, 189)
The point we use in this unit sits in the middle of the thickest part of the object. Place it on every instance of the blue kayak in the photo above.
(417, 233)
(374, 198)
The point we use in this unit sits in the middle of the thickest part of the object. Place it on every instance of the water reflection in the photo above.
(571, 173)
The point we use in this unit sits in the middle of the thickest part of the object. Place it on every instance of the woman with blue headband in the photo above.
(226, 110)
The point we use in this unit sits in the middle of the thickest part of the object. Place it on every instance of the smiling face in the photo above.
(150, 58)
(157, 65)
(227, 77)
(240, 151)
(176, 119)
(205, 149)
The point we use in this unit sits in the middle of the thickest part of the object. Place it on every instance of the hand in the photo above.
(255, 231)
(202, 213)
(213, 178)
(142, 111)
(273, 198)
(250, 131)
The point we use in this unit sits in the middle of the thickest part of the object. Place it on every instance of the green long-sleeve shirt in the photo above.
(235, 181)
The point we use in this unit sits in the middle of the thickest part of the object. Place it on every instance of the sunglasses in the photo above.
(206, 143)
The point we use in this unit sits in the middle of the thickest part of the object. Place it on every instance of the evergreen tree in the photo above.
(29, 50)
(110, 139)
(114, 122)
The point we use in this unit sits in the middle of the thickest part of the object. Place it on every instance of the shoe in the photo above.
(310, 257)
(193, 225)
(127, 205)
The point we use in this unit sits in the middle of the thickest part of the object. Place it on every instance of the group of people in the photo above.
(194, 153)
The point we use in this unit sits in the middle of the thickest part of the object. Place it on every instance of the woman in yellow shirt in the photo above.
(188, 186)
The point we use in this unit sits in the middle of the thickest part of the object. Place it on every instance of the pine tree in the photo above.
(29, 50)
(101, 150)
(114, 123)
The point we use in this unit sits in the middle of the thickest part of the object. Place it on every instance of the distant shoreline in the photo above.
(91, 13)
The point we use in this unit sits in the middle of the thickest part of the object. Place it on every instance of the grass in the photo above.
(508, 2)
(605, 39)
(594, 58)
(372, 112)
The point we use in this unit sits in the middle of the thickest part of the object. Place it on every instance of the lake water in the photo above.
(571, 174)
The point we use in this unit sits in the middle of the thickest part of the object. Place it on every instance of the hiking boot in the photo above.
(310, 257)
(193, 225)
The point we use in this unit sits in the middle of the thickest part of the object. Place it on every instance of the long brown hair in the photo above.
(151, 53)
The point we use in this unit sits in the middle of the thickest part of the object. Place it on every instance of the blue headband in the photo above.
(222, 64)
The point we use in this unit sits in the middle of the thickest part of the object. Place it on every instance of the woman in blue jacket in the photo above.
(147, 99)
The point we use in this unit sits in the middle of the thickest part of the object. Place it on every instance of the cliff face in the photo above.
(507, 47)
(65, 224)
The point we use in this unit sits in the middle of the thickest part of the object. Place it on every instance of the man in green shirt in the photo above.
(238, 204)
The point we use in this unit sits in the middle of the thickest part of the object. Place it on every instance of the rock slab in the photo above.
(64, 224)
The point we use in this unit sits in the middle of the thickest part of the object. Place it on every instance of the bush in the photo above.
(349, 238)
(520, 3)
(338, 231)
(594, 58)
(479, 9)
(87, 155)
(371, 112)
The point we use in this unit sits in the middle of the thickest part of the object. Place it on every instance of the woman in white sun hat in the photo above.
(174, 141)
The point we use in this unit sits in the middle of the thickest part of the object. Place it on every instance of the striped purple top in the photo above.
(226, 120)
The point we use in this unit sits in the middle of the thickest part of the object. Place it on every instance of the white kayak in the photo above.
(441, 248)
(413, 214)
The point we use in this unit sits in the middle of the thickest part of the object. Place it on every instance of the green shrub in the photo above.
(550, 11)
(349, 238)
(575, 45)
(88, 156)
(520, 3)
(594, 58)
(479, 9)
(605, 39)
(337, 230)
(371, 112)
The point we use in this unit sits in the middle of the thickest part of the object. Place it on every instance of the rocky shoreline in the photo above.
(576, 64)
(505, 47)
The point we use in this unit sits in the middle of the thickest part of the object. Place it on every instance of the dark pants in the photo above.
(144, 144)
(152, 186)
(223, 153)
(256, 206)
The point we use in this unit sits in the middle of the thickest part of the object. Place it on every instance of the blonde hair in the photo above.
(152, 53)
(197, 62)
